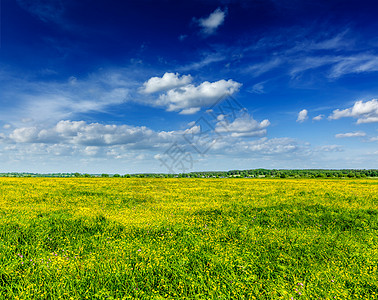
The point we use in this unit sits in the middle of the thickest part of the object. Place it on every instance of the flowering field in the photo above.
(126, 238)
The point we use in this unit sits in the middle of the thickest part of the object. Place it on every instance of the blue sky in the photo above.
(137, 86)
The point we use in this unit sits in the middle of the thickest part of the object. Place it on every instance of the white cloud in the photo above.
(24, 135)
(318, 118)
(368, 120)
(7, 126)
(350, 134)
(374, 139)
(167, 82)
(302, 116)
(190, 111)
(93, 134)
(91, 150)
(244, 126)
(364, 112)
(59, 149)
(265, 146)
(210, 24)
(190, 98)
(331, 148)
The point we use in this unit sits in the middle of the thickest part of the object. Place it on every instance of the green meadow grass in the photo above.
(120, 238)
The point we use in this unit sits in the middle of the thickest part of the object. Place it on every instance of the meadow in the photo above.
(134, 238)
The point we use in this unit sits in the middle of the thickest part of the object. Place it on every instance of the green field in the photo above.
(129, 238)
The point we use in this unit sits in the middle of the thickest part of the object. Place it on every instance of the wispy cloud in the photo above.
(359, 63)
(258, 88)
(304, 63)
(205, 61)
(338, 42)
(55, 100)
(337, 54)
(261, 68)
(44, 10)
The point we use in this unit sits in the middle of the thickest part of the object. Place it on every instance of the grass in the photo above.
(118, 238)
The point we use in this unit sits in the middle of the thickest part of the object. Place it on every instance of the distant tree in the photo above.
(116, 175)
(104, 175)
(351, 175)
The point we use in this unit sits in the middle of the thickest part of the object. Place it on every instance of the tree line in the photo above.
(253, 173)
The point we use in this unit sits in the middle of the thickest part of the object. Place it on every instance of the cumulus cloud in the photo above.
(93, 134)
(302, 116)
(180, 95)
(364, 112)
(167, 82)
(244, 126)
(210, 24)
(190, 99)
(24, 135)
(350, 134)
(318, 118)
(91, 150)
